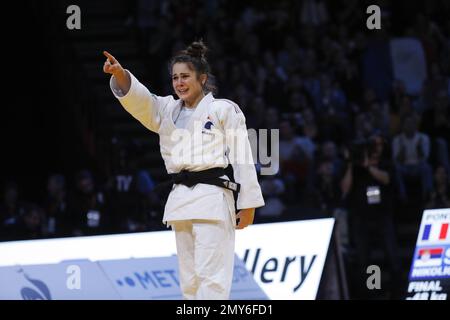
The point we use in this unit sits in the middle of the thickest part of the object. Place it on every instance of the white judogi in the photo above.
(188, 208)
(205, 257)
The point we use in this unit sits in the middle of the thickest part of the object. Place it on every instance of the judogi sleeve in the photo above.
(240, 155)
(144, 106)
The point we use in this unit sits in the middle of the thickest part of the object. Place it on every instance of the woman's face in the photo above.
(187, 85)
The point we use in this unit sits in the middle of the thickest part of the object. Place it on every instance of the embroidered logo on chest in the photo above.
(208, 123)
(208, 126)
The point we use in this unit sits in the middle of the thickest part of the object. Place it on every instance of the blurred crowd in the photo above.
(350, 147)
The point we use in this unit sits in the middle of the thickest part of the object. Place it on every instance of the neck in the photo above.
(194, 102)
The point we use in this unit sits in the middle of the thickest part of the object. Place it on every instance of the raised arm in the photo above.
(113, 67)
(144, 106)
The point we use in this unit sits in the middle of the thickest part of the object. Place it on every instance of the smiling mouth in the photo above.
(183, 91)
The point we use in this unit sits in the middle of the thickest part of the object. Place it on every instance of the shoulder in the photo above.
(165, 103)
(225, 105)
(165, 100)
(227, 110)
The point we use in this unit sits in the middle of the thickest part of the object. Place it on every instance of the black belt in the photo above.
(210, 176)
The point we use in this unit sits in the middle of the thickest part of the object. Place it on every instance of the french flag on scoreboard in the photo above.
(439, 233)
(429, 257)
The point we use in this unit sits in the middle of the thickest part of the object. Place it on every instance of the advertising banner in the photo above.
(429, 277)
(286, 259)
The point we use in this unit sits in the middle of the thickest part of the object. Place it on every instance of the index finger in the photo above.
(109, 56)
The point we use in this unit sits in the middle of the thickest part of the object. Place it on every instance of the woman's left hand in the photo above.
(245, 217)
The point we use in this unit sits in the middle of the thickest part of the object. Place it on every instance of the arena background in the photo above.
(309, 68)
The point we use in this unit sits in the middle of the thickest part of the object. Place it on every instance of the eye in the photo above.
(185, 76)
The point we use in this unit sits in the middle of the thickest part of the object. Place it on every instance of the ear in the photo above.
(203, 78)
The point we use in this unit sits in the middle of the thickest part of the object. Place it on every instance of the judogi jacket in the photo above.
(215, 136)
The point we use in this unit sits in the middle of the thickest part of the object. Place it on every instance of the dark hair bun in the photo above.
(197, 49)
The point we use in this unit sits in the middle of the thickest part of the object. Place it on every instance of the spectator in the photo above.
(367, 190)
(434, 86)
(87, 207)
(30, 225)
(272, 119)
(328, 153)
(130, 191)
(436, 123)
(310, 128)
(436, 120)
(327, 195)
(272, 188)
(440, 196)
(257, 110)
(294, 160)
(57, 223)
(11, 210)
(410, 151)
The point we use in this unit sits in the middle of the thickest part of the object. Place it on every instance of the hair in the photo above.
(195, 57)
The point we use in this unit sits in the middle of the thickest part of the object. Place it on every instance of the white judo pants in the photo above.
(205, 251)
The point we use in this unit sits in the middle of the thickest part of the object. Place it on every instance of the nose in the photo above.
(178, 81)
